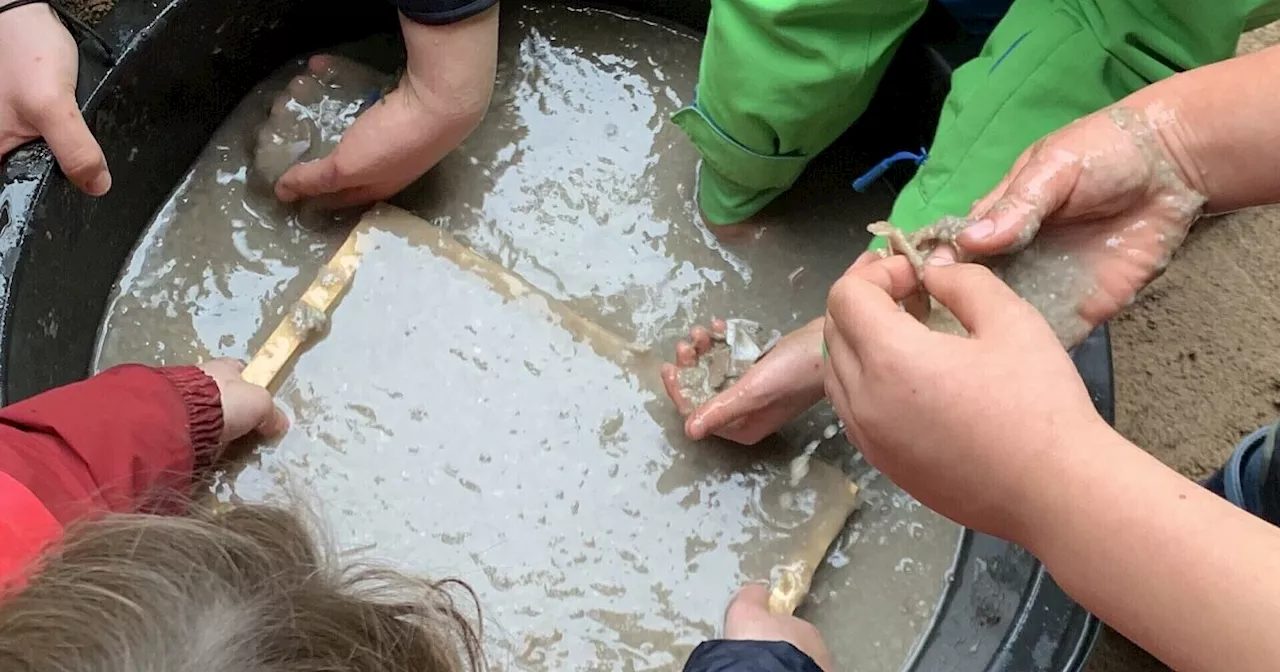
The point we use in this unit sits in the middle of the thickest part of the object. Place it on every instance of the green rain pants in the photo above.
(781, 79)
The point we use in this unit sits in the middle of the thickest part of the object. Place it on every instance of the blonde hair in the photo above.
(246, 589)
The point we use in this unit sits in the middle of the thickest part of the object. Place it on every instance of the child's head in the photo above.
(245, 590)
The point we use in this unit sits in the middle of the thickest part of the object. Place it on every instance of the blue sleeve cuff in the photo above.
(441, 12)
(725, 655)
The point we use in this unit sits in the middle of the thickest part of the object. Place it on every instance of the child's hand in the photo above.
(774, 391)
(245, 407)
(1105, 189)
(440, 100)
(38, 65)
(968, 425)
(749, 618)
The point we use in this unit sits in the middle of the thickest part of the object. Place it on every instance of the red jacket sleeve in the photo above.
(26, 528)
(125, 440)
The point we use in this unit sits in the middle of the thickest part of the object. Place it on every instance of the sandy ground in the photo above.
(89, 11)
(1197, 366)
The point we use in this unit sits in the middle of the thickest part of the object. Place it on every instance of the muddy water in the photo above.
(458, 434)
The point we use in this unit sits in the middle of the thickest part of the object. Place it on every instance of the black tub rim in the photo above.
(975, 627)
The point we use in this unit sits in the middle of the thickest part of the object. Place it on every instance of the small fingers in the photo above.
(982, 302)
(309, 180)
(721, 411)
(863, 304)
(701, 339)
(324, 66)
(866, 258)
(223, 369)
(842, 360)
(894, 274)
(274, 425)
(671, 382)
(686, 354)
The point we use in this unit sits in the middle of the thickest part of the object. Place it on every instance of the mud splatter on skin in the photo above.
(742, 344)
(307, 120)
(1057, 278)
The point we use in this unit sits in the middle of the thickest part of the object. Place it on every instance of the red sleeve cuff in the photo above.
(203, 401)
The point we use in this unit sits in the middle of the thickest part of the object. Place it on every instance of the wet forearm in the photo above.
(1221, 124)
(1172, 567)
(454, 65)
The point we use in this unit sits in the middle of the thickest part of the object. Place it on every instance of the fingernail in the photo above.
(944, 255)
(101, 184)
(982, 229)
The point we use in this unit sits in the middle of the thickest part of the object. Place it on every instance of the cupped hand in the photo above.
(774, 391)
(245, 407)
(748, 618)
(38, 66)
(1108, 190)
(439, 101)
(967, 425)
(785, 383)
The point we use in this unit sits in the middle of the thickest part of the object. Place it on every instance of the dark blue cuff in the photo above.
(441, 12)
(727, 655)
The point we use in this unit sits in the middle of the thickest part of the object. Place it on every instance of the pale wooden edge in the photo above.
(323, 294)
(604, 342)
(787, 596)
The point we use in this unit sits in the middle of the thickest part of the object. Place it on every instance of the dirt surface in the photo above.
(1196, 359)
(89, 11)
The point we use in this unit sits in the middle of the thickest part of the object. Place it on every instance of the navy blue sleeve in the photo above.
(440, 12)
(725, 655)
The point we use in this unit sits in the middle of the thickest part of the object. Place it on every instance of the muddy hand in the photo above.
(748, 619)
(1105, 189)
(245, 408)
(777, 389)
(959, 422)
(38, 66)
(440, 99)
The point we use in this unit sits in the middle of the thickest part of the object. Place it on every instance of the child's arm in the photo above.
(1013, 446)
(1169, 565)
(113, 441)
(757, 640)
(1219, 124)
(129, 438)
(451, 51)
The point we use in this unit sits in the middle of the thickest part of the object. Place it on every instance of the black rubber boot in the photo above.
(1251, 477)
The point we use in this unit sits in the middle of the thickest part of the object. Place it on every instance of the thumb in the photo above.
(74, 146)
(275, 424)
(1035, 191)
(721, 410)
(309, 180)
(246, 408)
(982, 302)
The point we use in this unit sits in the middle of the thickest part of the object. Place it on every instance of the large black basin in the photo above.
(181, 69)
